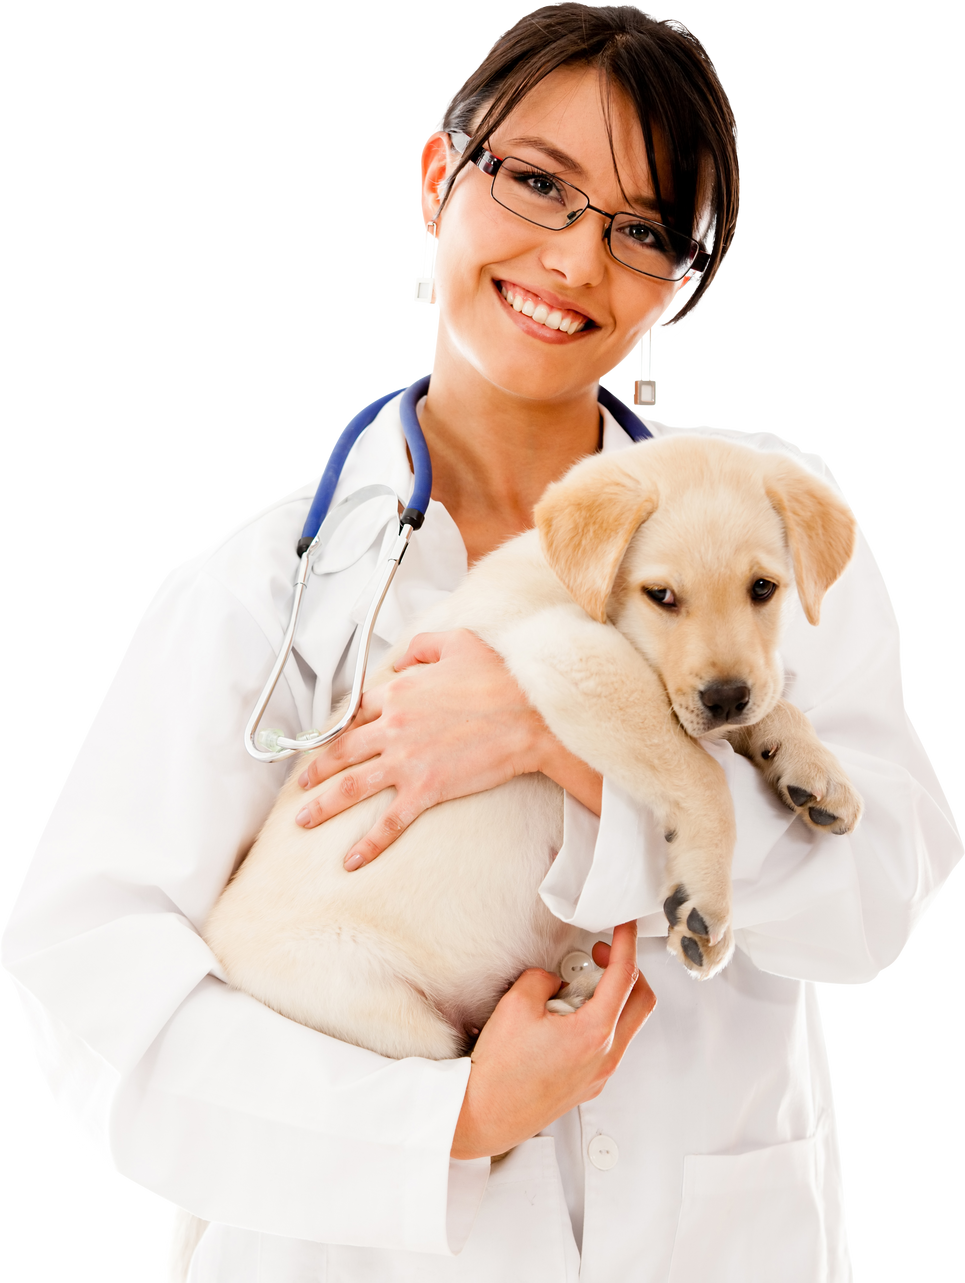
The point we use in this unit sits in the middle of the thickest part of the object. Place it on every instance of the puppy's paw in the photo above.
(563, 1007)
(810, 781)
(581, 976)
(700, 935)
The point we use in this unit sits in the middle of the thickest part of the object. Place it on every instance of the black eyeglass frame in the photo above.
(489, 164)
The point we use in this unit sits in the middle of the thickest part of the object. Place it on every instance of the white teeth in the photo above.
(540, 312)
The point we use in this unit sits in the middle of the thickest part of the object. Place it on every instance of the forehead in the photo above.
(566, 123)
(713, 530)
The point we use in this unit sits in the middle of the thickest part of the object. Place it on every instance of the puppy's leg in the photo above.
(806, 776)
(582, 976)
(604, 702)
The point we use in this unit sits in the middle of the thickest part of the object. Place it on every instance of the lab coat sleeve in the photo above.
(205, 1095)
(806, 905)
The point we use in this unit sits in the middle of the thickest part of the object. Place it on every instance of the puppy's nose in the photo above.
(725, 700)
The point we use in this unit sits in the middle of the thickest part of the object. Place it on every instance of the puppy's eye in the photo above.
(662, 596)
(763, 589)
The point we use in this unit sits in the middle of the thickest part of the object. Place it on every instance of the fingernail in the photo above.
(353, 861)
(304, 817)
(303, 780)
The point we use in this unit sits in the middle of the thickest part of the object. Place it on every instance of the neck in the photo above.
(494, 453)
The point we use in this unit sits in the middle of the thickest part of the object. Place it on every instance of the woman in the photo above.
(712, 1145)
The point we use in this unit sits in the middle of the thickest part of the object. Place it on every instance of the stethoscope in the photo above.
(320, 526)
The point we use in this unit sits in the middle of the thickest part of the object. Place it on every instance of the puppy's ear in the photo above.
(820, 531)
(585, 523)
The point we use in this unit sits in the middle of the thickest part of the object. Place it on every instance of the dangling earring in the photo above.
(645, 390)
(425, 290)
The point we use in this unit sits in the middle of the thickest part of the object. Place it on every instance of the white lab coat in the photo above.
(712, 1149)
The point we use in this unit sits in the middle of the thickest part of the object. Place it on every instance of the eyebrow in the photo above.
(647, 203)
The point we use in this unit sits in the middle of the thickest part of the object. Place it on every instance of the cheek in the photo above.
(638, 303)
(473, 235)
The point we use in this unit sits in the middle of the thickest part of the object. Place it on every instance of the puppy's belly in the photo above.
(448, 916)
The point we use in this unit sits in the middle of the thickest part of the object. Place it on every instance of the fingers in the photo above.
(381, 836)
(623, 1000)
(349, 749)
(534, 988)
(352, 787)
(620, 975)
(636, 1011)
(424, 648)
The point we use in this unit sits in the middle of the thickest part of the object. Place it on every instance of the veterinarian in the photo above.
(712, 1149)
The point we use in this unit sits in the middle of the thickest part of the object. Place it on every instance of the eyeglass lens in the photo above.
(551, 202)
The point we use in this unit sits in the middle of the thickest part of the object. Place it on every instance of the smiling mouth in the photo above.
(566, 321)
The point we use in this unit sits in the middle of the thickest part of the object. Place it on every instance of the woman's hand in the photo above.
(453, 722)
(531, 1066)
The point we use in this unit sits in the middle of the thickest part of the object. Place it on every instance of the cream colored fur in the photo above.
(408, 955)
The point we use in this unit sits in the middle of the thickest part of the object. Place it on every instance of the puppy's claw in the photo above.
(671, 906)
(691, 948)
(820, 816)
(799, 796)
(696, 924)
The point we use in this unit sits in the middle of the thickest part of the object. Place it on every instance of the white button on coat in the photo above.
(603, 1152)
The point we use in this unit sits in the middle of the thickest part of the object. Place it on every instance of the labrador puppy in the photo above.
(641, 615)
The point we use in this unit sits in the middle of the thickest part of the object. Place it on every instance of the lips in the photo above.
(544, 313)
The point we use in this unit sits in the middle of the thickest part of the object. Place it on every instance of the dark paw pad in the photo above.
(820, 816)
(696, 924)
(671, 906)
(692, 949)
(799, 796)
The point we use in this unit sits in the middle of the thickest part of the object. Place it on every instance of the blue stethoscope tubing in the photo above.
(322, 521)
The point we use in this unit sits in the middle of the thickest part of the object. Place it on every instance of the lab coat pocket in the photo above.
(521, 1234)
(752, 1218)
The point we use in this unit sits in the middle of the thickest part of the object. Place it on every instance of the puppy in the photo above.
(642, 614)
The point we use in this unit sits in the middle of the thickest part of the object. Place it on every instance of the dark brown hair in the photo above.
(664, 72)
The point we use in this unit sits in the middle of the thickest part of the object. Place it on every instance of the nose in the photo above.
(725, 700)
(578, 254)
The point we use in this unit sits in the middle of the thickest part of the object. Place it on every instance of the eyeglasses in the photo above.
(653, 249)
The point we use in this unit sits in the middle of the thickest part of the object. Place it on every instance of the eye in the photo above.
(538, 183)
(763, 589)
(643, 234)
(640, 234)
(662, 596)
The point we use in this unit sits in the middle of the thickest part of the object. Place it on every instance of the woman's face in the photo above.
(486, 252)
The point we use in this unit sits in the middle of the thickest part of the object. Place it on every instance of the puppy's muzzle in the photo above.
(725, 701)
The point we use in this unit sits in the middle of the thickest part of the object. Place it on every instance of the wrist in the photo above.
(572, 774)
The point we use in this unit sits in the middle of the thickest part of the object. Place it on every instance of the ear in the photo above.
(435, 166)
(585, 523)
(820, 531)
